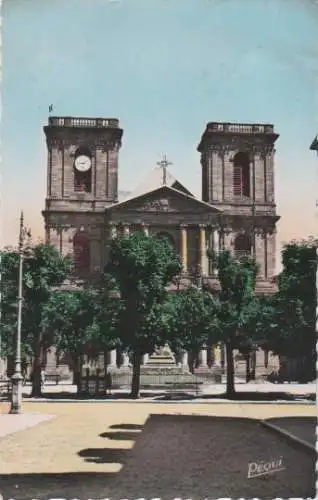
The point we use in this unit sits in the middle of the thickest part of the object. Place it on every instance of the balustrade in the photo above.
(57, 121)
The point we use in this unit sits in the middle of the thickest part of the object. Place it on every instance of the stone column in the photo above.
(228, 239)
(216, 239)
(217, 355)
(112, 234)
(184, 248)
(112, 358)
(145, 229)
(113, 230)
(184, 359)
(203, 357)
(212, 249)
(260, 252)
(126, 230)
(68, 234)
(55, 238)
(202, 249)
(125, 358)
(220, 245)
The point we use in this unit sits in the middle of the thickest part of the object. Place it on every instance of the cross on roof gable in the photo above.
(154, 180)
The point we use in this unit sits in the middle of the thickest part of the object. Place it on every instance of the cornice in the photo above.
(233, 147)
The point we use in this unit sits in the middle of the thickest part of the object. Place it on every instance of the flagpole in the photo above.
(16, 398)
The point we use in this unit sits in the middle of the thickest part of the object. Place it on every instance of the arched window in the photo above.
(242, 245)
(81, 254)
(241, 175)
(83, 170)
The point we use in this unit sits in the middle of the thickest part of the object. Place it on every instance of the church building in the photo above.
(237, 209)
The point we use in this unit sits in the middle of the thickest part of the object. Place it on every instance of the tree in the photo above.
(81, 321)
(254, 329)
(294, 306)
(189, 321)
(142, 267)
(43, 269)
(237, 305)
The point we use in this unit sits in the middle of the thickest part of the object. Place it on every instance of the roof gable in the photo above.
(163, 199)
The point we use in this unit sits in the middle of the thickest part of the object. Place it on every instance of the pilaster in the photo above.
(184, 247)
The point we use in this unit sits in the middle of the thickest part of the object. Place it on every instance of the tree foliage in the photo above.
(142, 266)
(237, 305)
(80, 320)
(190, 320)
(294, 305)
(43, 269)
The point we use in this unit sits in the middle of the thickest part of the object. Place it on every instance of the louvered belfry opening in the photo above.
(241, 175)
(242, 245)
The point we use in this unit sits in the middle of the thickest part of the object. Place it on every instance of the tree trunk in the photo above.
(253, 365)
(266, 359)
(135, 385)
(191, 361)
(230, 389)
(37, 367)
(248, 373)
(76, 370)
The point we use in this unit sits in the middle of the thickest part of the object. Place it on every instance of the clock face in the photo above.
(82, 163)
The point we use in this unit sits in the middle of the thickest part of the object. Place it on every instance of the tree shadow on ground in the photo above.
(169, 395)
(111, 455)
(74, 396)
(120, 435)
(104, 455)
(56, 485)
(260, 396)
(127, 426)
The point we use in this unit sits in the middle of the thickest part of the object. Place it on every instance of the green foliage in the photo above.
(43, 269)
(258, 321)
(190, 319)
(237, 302)
(294, 305)
(237, 306)
(142, 267)
(80, 320)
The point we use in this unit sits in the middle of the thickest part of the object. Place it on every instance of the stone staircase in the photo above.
(162, 361)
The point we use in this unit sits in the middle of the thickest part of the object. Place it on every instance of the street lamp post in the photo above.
(16, 398)
(314, 147)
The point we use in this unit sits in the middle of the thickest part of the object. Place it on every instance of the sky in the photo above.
(164, 68)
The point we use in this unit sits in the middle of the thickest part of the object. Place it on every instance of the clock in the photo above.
(82, 163)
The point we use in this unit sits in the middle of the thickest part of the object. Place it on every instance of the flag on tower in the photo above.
(50, 108)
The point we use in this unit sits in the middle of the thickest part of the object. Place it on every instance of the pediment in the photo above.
(164, 200)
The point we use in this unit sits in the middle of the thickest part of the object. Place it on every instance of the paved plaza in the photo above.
(93, 450)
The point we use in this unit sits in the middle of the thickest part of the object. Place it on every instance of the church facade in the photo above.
(237, 210)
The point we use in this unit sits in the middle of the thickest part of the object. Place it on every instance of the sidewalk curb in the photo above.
(289, 436)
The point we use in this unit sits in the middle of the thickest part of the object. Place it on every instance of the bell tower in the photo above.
(237, 162)
(82, 180)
